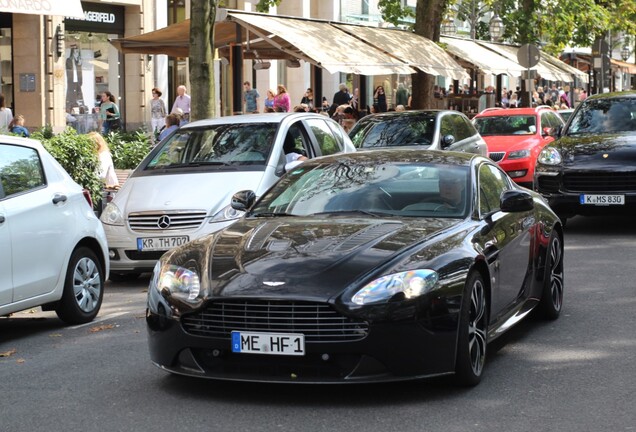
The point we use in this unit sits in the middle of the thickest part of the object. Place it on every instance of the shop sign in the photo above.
(98, 18)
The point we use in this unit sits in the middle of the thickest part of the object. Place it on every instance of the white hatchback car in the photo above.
(53, 250)
(182, 190)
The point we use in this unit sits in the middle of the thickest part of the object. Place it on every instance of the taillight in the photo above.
(87, 195)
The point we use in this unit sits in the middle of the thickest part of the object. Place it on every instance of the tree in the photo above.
(203, 92)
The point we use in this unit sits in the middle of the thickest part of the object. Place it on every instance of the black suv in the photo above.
(591, 168)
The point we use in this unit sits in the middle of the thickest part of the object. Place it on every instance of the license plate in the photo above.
(268, 343)
(160, 243)
(602, 200)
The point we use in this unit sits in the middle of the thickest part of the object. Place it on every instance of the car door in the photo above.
(466, 138)
(39, 219)
(324, 137)
(506, 239)
(6, 284)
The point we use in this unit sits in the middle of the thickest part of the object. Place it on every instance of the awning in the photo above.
(69, 8)
(624, 66)
(414, 50)
(486, 60)
(173, 40)
(320, 43)
(547, 69)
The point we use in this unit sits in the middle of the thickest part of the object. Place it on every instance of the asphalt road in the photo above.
(575, 374)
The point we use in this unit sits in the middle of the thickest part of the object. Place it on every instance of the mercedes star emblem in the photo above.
(164, 222)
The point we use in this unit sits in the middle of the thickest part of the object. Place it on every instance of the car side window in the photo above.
(20, 169)
(492, 182)
(457, 126)
(301, 142)
(326, 140)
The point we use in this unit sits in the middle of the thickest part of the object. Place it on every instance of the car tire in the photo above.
(123, 277)
(83, 288)
(552, 293)
(473, 332)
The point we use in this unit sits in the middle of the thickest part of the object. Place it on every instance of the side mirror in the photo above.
(513, 201)
(447, 141)
(547, 131)
(243, 200)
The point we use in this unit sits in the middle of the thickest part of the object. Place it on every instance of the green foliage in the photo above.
(264, 5)
(128, 149)
(77, 155)
(393, 11)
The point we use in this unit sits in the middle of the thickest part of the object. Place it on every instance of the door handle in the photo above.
(59, 198)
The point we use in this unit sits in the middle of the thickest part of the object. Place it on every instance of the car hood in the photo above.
(612, 151)
(310, 258)
(509, 143)
(193, 191)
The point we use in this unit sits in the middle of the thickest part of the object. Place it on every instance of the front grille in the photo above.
(600, 182)
(548, 184)
(166, 221)
(317, 321)
(143, 256)
(496, 156)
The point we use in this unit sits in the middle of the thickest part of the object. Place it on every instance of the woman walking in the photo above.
(109, 113)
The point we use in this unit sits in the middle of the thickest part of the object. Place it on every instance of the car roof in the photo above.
(409, 113)
(252, 119)
(381, 156)
(498, 112)
(615, 95)
(27, 142)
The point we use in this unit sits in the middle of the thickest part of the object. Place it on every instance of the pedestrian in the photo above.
(17, 126)
(308, 99)
(250, 98)
(109, 113)
(341, 97)
(281, 100)
(172, 123)
(182, 101)
(106, 167)
(269, 101)
(379, 99)
(157, 113)
(402, 95)
(5, 114)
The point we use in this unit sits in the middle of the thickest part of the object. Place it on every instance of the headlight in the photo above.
(411, 284)
(180, 282)
(227, 213)
(550, 156)
(518, 154)
(112, 215)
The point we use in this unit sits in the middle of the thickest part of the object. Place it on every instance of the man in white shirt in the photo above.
(182, 101)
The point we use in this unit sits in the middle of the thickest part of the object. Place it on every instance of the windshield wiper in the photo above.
(364, 212)
(270, 214)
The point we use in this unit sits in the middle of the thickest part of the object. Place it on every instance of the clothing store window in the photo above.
(93, 65)
(6, 62)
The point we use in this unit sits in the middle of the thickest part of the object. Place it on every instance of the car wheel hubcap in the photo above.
(86, 284)
(477, 327)
(556, 274)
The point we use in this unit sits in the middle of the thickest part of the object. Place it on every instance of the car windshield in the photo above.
(404, 189)
(506, 125)
(401, 130)
(608, 115)
(222, 145)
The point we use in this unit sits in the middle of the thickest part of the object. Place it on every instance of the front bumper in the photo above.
(124, 255)
(390, 351)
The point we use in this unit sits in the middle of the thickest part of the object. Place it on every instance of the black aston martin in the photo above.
(371, 266)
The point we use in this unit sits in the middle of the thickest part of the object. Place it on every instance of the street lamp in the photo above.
(449, 27)
(625, 53)
(496, 28)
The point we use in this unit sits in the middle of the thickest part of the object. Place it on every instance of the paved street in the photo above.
(575, 374)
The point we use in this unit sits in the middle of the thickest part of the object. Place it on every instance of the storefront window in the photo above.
(6, 66)
(91, 68)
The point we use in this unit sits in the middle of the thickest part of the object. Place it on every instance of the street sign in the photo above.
(528, 55)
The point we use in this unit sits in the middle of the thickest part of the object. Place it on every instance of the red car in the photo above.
(515, 137)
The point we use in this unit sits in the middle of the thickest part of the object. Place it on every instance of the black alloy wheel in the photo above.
(552, 295)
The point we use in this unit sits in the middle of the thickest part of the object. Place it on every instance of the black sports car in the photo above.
(370, 266)
(591, 168)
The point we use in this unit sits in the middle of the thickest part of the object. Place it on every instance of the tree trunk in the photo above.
(202, 93)
(428, 16)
